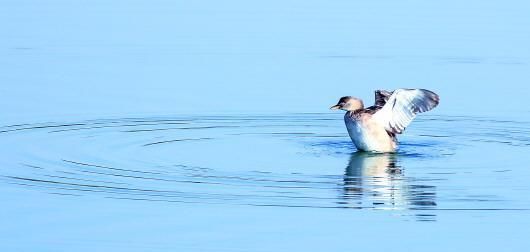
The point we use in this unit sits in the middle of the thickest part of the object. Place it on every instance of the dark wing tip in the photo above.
(428, 100)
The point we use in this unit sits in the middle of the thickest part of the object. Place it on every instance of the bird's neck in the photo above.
(355, 111)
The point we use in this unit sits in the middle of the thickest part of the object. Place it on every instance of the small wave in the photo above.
(269, 160)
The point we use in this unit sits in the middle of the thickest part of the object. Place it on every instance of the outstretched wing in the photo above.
(381, 97)
(403, 106)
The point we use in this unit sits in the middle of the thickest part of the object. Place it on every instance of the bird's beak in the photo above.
(335, 107)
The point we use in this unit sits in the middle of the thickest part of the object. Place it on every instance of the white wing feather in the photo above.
(403, 106)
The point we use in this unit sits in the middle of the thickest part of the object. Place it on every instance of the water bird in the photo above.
(375, 128)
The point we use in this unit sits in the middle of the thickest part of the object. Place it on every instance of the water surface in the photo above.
(272, 163)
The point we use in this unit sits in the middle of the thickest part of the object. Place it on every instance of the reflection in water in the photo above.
(376, 181)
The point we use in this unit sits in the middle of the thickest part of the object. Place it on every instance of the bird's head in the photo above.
(348, 103)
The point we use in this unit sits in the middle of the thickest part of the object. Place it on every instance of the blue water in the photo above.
(203, 126)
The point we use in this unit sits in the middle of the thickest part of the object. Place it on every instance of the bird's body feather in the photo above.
(368, 134)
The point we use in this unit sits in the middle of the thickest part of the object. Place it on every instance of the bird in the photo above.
(375, 128)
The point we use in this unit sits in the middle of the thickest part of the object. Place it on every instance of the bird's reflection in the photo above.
(376, 181)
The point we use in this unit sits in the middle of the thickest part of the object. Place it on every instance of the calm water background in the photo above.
(173, 125)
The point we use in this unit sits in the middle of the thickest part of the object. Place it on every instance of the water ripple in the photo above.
(269, 160)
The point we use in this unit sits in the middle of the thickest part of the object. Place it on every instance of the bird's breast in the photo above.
(367, 134)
